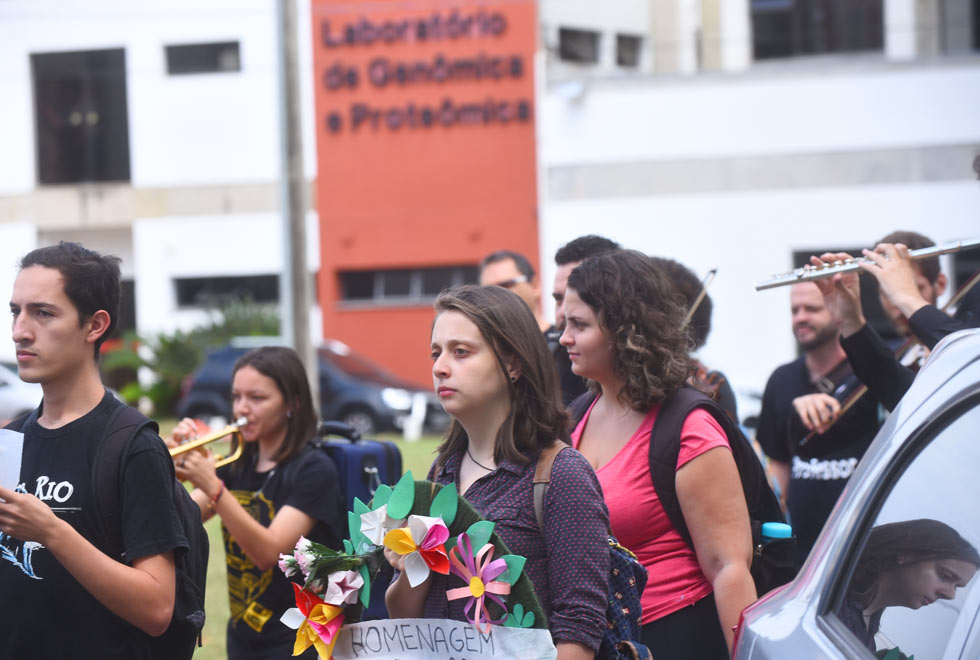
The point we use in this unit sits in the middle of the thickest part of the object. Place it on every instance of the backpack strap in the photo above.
(23, 422)
(579, 405)
(123, 426)
(542, 478)
(665, 445)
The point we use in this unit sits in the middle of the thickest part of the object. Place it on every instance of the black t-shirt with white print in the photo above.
(44, 612)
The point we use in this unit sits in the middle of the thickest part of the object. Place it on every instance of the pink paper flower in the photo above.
(343, 587)
(479, 572)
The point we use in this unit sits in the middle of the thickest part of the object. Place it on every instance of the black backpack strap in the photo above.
(665, 444)
(124, 424)
(24, 422)
(579, 405)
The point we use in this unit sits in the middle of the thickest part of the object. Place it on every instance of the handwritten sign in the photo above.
(11, 449)
(440, 639)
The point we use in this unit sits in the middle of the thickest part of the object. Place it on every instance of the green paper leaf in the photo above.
(348, 547)
(515, 564)
(360, 507)
(402, 498)
(518, 618)
(450, 544)
(444, 504)
(479, 533)
(381, 496)
(366, 589)
(354, 525)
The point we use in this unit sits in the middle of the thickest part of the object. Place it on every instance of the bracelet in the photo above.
(214, 500)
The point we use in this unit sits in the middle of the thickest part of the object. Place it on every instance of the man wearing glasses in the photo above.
(513, 271)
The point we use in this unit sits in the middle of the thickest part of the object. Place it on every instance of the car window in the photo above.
(914, 586)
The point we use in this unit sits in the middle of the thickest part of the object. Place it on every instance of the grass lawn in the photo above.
(416, 456)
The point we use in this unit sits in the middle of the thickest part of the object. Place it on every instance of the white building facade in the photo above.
(729, 134)
(752, 162)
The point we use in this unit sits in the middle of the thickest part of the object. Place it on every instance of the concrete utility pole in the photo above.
(294, 281)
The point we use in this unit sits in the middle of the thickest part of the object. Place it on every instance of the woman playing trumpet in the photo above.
(279, 490)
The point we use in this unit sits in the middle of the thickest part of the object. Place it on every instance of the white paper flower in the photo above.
(375, 524)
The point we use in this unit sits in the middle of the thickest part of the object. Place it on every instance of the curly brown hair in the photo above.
(537, 417)
(642, 313)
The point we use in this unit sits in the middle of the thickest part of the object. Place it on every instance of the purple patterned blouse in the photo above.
(570, 567)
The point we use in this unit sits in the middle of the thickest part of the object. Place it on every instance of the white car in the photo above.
(16, 396)
(894, 572)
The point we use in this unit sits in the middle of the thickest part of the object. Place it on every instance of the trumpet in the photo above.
(810, 273)
(232, 430)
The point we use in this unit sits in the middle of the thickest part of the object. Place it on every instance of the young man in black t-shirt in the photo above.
(62, 596)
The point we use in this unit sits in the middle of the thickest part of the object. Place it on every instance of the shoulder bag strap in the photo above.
(542, 478)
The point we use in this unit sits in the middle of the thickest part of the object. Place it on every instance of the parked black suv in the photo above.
(352, 389)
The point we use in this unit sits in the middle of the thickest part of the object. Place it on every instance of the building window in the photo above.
(402, 285)
(203, 58)
(81, 117)
(976, 24)
(786, 28)
(207, 291)
(628, 50)
(580, 46)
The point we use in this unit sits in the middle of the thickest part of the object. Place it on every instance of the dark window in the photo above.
(628, 50)
(203, 291)
(578, 45)
(976, 24)
(401, 285)
(785, 28)
(81, 118)
(397, 283)
(357, 285)
(203, 58)
(435, 280)
(127, 309)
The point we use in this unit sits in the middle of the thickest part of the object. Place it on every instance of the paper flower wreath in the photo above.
(479, 572)
(422, 544)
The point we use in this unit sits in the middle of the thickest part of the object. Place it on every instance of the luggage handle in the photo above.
(342, 429)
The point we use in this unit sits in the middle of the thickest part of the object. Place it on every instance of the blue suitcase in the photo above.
(363, 466)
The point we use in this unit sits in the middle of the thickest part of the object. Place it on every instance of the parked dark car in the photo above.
(353, 389)
(893, 574)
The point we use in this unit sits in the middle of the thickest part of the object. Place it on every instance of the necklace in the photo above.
(477, 462)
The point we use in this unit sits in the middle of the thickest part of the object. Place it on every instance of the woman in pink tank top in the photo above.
(625, 332)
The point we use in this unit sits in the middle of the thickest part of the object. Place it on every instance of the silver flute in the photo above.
(809, 273)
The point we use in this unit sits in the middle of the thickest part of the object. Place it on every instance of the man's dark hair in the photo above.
(915, 241)
(689, 286)
(523, 265)
(91, 280)
(582, 248)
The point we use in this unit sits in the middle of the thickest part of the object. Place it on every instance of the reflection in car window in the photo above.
(913, 589)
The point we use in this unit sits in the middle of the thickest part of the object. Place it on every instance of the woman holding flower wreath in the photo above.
(264, 511)
(493, 373)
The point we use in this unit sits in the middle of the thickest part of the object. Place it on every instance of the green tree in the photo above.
(171, 357)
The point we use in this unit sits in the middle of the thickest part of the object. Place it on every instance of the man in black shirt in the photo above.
(62, 595)
(812, 469)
